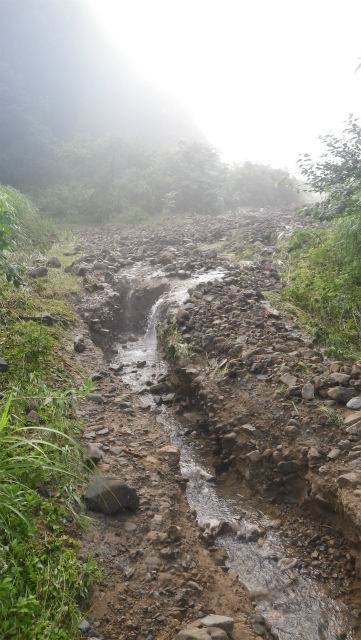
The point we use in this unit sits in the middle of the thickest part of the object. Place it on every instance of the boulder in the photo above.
(38, 272)
(108, 494)
(193, 634)
(54, 262)
(222, 622)
(342, 394)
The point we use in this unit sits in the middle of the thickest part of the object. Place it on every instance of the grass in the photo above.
(43, 583)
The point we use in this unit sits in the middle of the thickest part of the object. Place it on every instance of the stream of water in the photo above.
(297, 606)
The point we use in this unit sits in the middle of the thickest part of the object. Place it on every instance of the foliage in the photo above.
(337, 175)
(42, 581)
(325, 286)
(174, 347)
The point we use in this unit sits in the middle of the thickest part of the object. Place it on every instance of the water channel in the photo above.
(296, 605)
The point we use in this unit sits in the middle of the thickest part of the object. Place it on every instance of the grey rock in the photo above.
(289, 380)
(216, 633)
(354, 403)
(334, 454)
(291, 430)
(339, 378)
(255, 456)
(108, 494)
(95, 397)
(92, 454)
(259, 629)
(223, 622)
(342, 394)
(308, 391)
(54, 262)
(38, 272)
(84, 626)
(192, 634)
(349, 480)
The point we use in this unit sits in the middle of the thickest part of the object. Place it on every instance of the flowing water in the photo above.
(297, 606)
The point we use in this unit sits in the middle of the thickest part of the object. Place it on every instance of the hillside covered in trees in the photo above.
(88, 138)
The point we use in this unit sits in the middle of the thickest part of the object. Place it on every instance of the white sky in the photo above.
(262, 78)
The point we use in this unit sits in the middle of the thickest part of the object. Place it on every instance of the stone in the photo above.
(259, 629)
(170, 452)
(342, 394)
(351, 419)
(192, 634)
(53, 262)
(349, 480)
(339, 378)
(33, 416)
(219, 557)
(84, 626)
(79, 346)
(255, 456)
(94, 397)
(354, 403)
(4, 365)
(92, 455)
(334, 454)
(108, 494)
(308, 391)
(38, 272)
(287, 466)
(289, 380)
(222, 622)
(182, 316)
(216, 633)
(291, 430)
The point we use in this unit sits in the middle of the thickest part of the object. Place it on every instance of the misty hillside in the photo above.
(60, 77)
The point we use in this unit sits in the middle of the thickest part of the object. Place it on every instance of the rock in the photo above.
(92, 454)
(79, 345)
(84, 626)
(255, 456)
(342, 394)
(38, 272)
(334, 454)
(308, 391)
(291, 430)
(219, 557)
(349, 480)
(170, 452)
(351, 419)
(182, 316)
(339, 378)
(222, 622)
(289, 380)
(108, 494)
(33, 416)
(95, 397)
(132, 338)
(54, 262)
(216, 633)
(287, 466)
(192, 634)
(354, 403)
(4, 365)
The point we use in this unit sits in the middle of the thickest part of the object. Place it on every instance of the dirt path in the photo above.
(265, 406)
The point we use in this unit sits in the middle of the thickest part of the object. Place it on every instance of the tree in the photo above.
(337, 175)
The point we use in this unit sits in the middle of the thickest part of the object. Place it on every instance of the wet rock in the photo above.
(110, 495)
(170, 452)
(38, 272)
(354, 403)
(4, 365)
(53, 262)
(219, 557)
(342, 394)
(222, 622)
(132, 338)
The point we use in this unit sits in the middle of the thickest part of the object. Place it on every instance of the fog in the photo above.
(262, 79)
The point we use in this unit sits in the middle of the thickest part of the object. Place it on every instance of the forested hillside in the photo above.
(89, 139)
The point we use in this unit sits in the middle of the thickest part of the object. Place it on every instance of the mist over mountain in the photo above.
(60, 77)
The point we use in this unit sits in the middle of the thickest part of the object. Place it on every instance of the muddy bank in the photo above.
(240, 397)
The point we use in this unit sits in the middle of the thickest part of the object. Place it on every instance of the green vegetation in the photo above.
(42, 581)
(324, 264)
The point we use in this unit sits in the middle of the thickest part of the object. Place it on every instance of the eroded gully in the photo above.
(296, 605)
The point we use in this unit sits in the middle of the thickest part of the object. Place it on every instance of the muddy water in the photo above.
(297, 606)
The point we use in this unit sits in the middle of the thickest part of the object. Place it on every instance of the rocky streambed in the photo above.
(269, 449)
